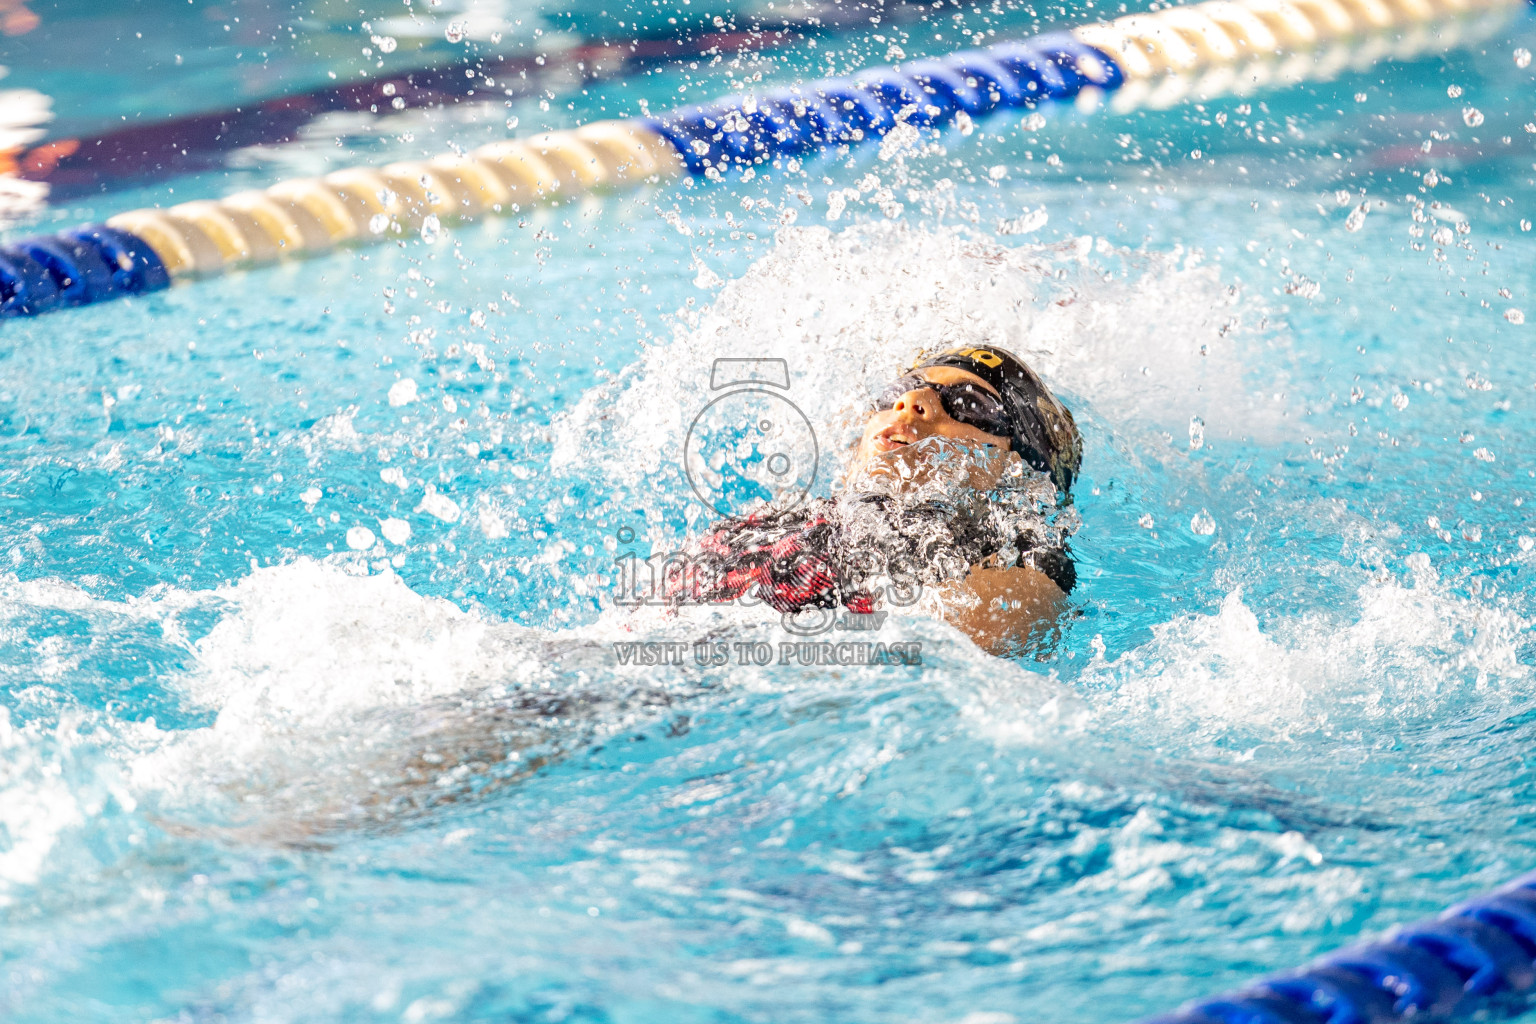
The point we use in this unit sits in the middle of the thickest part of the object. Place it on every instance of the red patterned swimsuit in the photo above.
(828, 551)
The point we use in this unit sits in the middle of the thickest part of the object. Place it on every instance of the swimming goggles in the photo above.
(965, 403)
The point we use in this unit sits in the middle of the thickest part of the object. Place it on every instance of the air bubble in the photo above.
(431, 228)
(1196, 432)
(1034, 122)
(398, 103)
(386, 44)
(454, 32)
(1522, 57)
(1202, 524)
(1472, 116)
(378, 222)
(1514, 316)
(511, 122)
(1356, 219)
(1453, 91)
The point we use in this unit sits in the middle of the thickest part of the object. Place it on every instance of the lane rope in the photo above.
(1156, 59)
(1463, 961)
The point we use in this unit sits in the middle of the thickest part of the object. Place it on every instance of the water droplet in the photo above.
(310, 495)
(402, 392)
(477, 318)
(1196, 432)
(1030, 220)
(1453, 91)
(398, 103)
(1399, 401)
(359, 538)
(1483, 454)
(454, 33)
(512, 122)
(1522, 57)
(1514, 316)
(396, 531)
(1356, 219)
(378, 222)
(1526, 543)
(1145, 522)
(431, 228)
(1034, 122)
(1202, 524)
(1525, 225)
(386, 44)
(1472, 116)
(1443, 236)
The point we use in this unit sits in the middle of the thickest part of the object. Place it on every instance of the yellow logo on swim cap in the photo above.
(981, 355)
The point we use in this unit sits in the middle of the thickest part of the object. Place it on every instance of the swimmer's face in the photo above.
(919, 414)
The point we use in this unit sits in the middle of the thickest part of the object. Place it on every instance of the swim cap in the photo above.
(1044, 433)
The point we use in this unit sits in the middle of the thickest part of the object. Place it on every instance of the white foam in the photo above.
(1401, 655)
(313, 640)
(37, 804)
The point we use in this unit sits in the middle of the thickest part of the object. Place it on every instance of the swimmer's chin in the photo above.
(925, 463)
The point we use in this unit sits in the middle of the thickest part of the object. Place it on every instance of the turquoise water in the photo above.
(311, 710)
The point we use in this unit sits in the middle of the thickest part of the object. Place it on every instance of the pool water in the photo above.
(311, 704)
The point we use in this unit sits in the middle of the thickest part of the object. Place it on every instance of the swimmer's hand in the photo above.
(1001, 609)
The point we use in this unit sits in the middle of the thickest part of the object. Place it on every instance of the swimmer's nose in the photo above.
(923, 403)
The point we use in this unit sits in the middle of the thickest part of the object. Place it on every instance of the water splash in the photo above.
(848, 310)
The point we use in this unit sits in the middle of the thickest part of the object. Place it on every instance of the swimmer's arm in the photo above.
(998, 608)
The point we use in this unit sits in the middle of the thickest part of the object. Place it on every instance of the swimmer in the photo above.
(959, 484)
(957, 489)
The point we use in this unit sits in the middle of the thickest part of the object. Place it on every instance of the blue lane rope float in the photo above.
(1155, 59)
(1463, 961)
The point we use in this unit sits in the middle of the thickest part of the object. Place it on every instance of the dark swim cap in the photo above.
(1044, 433)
